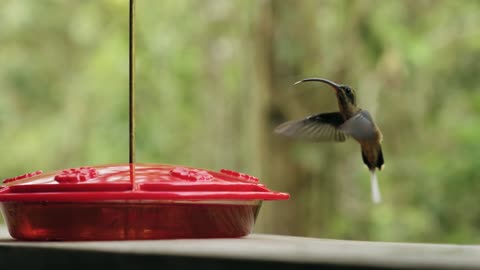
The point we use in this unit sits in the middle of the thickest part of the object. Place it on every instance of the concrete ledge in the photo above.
(253, 252)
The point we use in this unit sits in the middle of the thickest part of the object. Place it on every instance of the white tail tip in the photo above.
(376, 197)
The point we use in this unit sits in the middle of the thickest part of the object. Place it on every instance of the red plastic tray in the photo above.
(108, 203)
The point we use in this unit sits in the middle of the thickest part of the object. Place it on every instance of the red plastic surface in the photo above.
(20, 177)
(191, 174)
(76, 175)
(107, 203)
(127, 220)
(240, 175)
(151, 182)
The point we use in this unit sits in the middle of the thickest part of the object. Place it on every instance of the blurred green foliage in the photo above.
(215, 77)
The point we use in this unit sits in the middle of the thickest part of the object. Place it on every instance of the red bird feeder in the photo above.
(163, 201)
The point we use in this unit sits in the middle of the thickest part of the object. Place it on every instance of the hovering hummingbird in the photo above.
(350, 121)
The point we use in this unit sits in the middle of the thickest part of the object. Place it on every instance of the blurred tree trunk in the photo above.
(279, 169)
(279, 217)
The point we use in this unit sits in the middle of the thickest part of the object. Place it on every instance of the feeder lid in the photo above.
(151, 182)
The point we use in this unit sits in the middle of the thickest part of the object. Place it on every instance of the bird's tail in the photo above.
(376, 197)
(374, 158)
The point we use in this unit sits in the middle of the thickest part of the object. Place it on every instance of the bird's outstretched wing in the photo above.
(319, 127)
(360, 126)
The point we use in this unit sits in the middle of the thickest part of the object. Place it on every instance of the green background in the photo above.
(215, 77)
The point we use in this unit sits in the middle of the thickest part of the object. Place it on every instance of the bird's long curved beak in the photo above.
(335, 86)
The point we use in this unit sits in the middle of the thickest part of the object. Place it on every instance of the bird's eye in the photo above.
(348, 90)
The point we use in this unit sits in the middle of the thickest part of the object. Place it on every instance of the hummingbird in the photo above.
(349, 121)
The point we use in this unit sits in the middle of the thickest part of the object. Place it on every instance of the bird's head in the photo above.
(345, 94)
